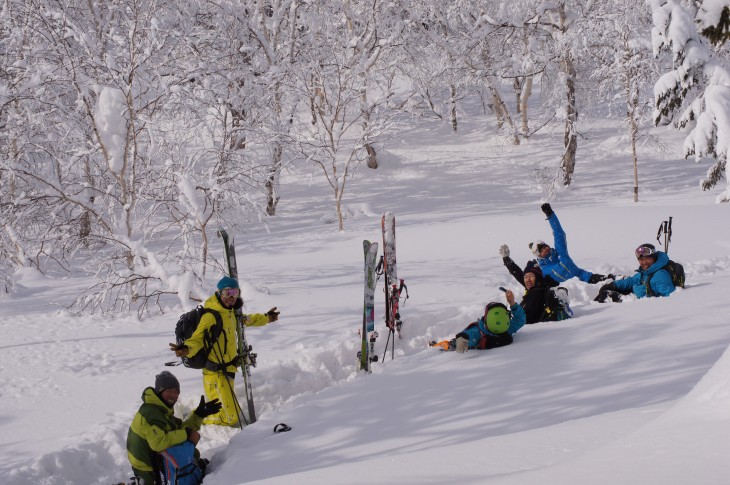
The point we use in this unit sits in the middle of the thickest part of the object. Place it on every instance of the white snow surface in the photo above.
(630, 393)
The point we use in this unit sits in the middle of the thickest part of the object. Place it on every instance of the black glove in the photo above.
(547, 209)
(180, 350)
(207, 408)
(607, 287)
(596, 278)
(273, 315)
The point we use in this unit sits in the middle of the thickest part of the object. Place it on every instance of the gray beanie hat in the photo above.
(165, 380)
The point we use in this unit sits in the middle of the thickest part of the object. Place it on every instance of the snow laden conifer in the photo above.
(698, 85)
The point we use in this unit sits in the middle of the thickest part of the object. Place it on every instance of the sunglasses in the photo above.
(643, 251)
(230, 292)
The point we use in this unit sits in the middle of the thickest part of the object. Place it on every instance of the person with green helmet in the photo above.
(494, 329)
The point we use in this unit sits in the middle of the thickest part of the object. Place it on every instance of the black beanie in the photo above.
(165, 380)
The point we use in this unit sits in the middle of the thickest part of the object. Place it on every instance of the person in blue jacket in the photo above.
(651, 279)
(555, 263)
(494, 329)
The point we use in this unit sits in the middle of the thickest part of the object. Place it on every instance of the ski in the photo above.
(368, 334)
(248, 358)
(393, 286)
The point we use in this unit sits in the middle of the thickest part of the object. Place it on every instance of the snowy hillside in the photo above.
(631, 393)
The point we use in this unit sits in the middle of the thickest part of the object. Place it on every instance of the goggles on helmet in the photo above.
(643, 251)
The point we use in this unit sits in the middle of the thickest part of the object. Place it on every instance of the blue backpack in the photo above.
(179, 466)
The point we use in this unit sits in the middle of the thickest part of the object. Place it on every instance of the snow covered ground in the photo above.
(631, 393)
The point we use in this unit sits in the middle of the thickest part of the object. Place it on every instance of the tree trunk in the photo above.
(571, 113)
(524, 97)
(500, 109)
(571, 118)
(372, 160)
(632, 106)
(272, 197)
(338, 209)
(453, 108)
(238, 137)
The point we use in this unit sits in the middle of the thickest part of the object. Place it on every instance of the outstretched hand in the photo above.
(547, 209)
(504, 251)
(510, 297)
(273, 314)
(205, 409)
(180, 350)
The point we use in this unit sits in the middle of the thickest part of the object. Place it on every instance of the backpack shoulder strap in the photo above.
(216, 329)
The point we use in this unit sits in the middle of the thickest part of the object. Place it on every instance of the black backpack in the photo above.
(186, 326)
(675, 270)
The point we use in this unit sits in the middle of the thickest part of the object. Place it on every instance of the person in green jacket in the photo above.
(154, 428)
(220, 370)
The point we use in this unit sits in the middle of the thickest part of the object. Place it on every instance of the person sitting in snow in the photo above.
(555, 263)
(155, 432)
(494, 329)
(541, 303)
(650, 278)
(220, 370)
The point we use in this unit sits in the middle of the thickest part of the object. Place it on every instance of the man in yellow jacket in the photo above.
(220, 370)
(155, 429)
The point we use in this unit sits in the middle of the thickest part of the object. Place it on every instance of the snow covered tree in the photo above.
(624, 67)
(345, 73)
(698, 85)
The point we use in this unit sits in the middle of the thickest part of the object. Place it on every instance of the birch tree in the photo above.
(344, 71)
(624, 67)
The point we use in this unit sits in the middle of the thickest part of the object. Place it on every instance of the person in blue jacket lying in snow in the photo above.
(650, 278)
(494, 329)
(555, 263)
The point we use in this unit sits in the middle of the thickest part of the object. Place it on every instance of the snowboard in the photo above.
(248, 358)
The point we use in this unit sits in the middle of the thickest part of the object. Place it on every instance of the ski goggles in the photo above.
(643, 251)
(230, 292)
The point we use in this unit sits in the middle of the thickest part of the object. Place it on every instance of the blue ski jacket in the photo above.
(476, 332)
(558, 264)
(659, 279)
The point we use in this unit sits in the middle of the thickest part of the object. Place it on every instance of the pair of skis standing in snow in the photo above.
(393, 290)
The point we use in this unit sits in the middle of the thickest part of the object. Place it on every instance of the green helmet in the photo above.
(497, 317)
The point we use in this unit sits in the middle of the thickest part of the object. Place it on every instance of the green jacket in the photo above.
(154, 429)
(228, 340)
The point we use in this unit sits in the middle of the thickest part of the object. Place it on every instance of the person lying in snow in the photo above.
(494, 329)
(651, 278)
(555, 263)
(541, 303)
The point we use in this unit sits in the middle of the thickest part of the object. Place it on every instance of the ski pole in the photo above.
(668, 235)
(239, 410)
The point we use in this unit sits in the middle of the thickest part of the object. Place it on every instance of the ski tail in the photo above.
(368, 333)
